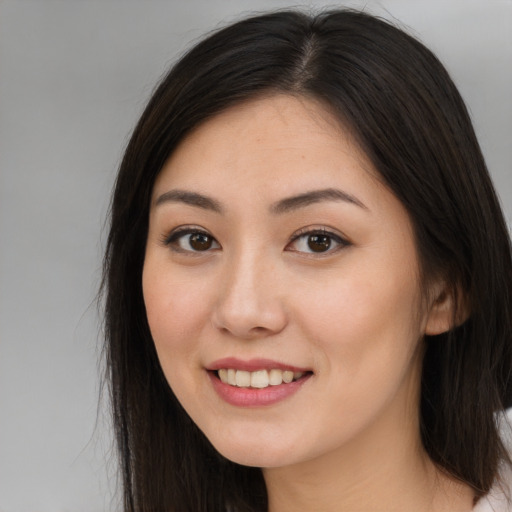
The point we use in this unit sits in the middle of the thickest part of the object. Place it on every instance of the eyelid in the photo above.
(341, 240)
(338, 237)
(180, 231)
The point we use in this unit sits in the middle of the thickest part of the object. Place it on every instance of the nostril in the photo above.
(259, 329)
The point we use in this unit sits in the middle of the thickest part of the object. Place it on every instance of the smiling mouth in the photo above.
(258, 379)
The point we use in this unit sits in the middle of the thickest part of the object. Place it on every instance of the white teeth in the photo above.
(275, 377)
(243, 379)
(232, 377)
(287, 376)
(258, 379)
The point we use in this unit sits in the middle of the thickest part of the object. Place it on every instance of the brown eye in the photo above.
(190, 240)
(200, 241)
(319, 243)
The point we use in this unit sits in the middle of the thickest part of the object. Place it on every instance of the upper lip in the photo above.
(252, 365)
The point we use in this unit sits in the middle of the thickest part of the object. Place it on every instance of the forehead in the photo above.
(280, 139)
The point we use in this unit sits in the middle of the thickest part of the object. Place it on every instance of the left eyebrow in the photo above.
(293, 203)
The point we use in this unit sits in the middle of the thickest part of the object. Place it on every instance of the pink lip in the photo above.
(251, 397)
(252, 365)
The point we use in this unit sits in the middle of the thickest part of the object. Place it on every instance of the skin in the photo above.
(354, 315)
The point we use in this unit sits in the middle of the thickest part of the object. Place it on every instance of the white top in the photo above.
(496, 500)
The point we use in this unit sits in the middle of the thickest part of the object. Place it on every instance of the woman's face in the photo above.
(273, 254)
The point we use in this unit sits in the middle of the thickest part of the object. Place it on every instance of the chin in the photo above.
(262, 453)
(255, 458)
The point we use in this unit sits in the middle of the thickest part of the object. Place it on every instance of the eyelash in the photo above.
(305, 233)
(172, 240)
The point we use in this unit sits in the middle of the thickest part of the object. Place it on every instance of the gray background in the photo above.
(74, 76)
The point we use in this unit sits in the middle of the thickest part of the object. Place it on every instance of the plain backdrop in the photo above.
(74, 76)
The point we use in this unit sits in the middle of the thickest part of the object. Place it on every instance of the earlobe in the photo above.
(447, 310)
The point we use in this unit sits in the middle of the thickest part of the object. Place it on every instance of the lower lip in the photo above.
(254, 397)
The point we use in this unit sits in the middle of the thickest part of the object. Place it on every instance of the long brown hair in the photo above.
(407, 115)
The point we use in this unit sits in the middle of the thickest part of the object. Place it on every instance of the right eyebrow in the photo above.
(190, 198)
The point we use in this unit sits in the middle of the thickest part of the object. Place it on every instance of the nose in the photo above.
(249, 303)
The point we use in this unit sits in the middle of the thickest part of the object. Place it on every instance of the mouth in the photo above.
(258, 379)
(256, 382)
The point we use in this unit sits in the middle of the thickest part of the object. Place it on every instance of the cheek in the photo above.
(176, 312)
(366, 343)
(365, 322)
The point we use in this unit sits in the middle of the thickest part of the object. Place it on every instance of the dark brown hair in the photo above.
(406, 114)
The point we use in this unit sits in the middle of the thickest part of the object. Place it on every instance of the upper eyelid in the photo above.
(310, 230)
(184, 230)
(340, 240)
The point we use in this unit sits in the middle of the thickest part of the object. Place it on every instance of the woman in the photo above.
(308, 280)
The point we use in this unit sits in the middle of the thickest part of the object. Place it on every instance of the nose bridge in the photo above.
(249, 303)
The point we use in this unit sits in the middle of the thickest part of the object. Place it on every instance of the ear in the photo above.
(448, 309)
